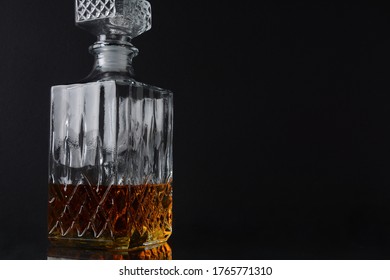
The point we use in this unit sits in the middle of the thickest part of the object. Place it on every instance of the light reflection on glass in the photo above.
(160, 252)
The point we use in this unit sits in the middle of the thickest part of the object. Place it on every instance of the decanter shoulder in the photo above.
(127, 87)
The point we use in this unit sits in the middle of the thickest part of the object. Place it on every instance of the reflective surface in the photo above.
(161, 252)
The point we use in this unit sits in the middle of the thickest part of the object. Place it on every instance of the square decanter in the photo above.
(110, 159)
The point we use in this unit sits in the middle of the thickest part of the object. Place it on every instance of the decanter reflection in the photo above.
(160, 252)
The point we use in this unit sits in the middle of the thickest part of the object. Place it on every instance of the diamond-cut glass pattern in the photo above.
(125, 17)
(140, 214)
(94, 9)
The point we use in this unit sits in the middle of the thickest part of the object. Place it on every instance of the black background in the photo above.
(281, 144)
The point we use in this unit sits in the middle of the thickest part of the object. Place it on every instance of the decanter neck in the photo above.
(113, 58)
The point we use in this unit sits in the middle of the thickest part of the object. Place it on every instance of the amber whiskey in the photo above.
(117, 217)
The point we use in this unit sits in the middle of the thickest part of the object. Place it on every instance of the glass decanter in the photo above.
(110, 159)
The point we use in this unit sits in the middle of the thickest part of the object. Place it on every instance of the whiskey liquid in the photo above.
(115, 217)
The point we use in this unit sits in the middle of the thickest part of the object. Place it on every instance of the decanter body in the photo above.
(110, 159)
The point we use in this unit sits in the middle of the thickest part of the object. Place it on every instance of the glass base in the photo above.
(121, 244)
(161, 251)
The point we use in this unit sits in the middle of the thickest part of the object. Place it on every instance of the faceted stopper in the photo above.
(124, 17)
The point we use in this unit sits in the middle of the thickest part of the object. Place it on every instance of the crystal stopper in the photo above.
(124, 17)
